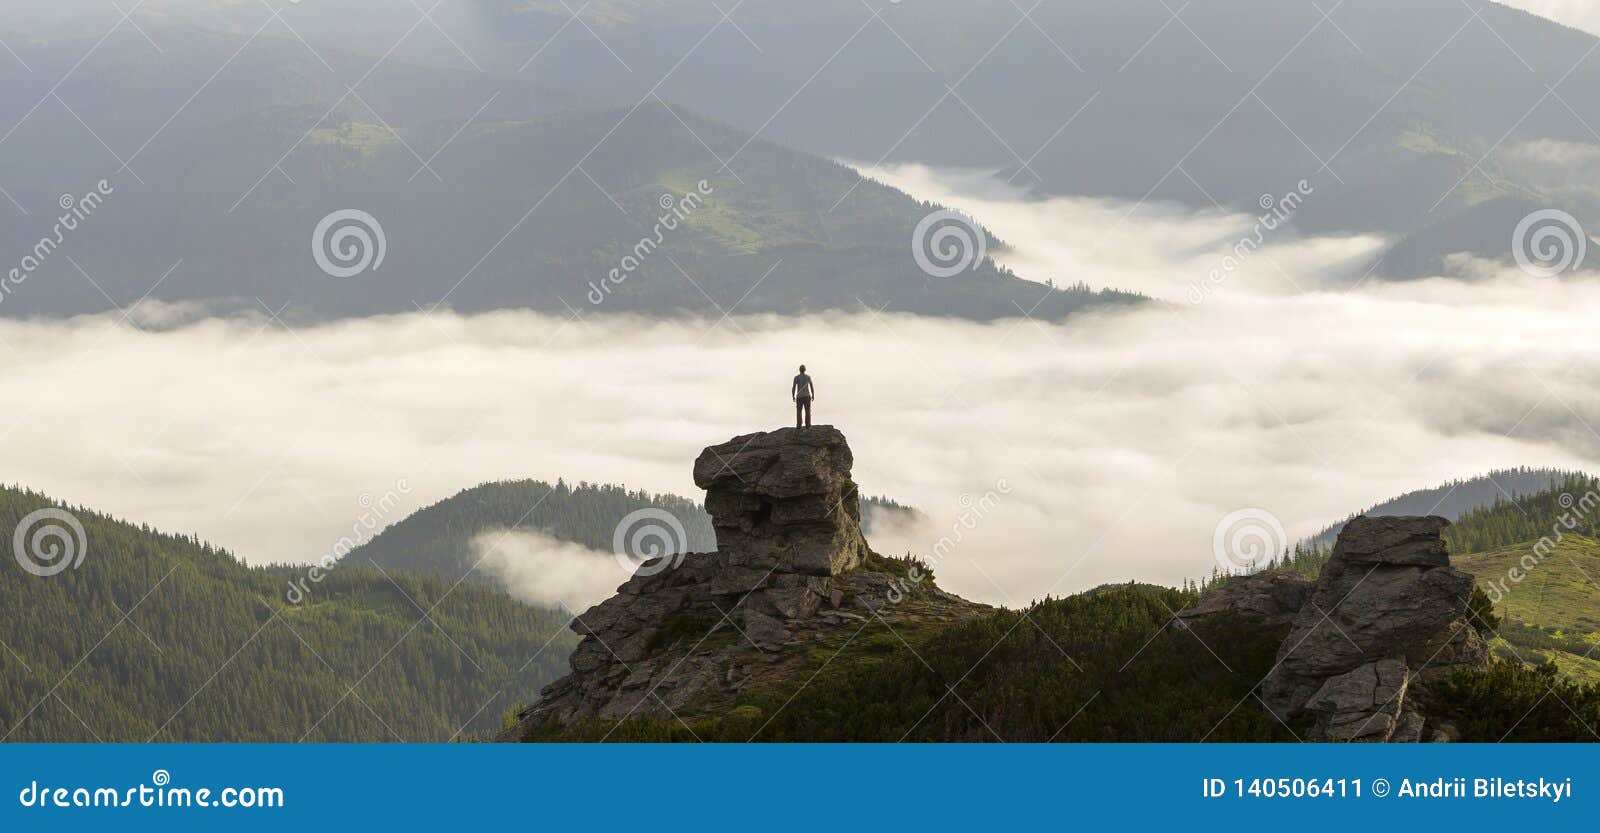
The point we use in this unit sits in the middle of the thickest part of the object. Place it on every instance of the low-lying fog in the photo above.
(1113, 444)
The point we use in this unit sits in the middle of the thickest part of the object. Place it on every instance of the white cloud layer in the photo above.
(543, 570)
(1121, 439)
(1579, 14)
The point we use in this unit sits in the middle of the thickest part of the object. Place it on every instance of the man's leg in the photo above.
(799, 406)
(807, 404)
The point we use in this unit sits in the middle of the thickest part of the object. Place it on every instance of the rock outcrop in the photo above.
(682, 639)
(1275, 596)
(784, 501)
(1388, 614)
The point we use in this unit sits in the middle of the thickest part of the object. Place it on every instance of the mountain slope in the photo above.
(483, 192)
(1553, 613)
(437, 539)
(1404, 116)
(160, 637)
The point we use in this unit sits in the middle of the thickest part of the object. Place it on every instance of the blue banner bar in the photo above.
(781, 787)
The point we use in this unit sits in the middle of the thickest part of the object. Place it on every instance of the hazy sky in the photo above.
(1121, 439)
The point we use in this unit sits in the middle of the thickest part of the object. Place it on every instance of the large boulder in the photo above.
(1387, 611)
(784, 500)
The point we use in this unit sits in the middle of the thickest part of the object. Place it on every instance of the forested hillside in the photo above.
(437, 539)
(1458, 497)
(159, 637)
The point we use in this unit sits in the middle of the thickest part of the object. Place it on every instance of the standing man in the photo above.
(802, 392)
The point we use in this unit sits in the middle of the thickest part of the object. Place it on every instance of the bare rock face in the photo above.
(680, 641)
(1388, 613)
(784, 500)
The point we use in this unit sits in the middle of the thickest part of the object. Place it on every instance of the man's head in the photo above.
(802, 368)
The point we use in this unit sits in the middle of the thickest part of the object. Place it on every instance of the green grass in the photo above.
(1553, 613)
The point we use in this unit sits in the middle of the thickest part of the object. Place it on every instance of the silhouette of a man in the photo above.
(802, 392)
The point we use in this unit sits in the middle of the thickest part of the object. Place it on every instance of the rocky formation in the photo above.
(792, 570)
(784, 501)
(1387, 614)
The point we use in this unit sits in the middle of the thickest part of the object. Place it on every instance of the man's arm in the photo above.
(794, 389)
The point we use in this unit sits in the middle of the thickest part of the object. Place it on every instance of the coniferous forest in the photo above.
(160, 637)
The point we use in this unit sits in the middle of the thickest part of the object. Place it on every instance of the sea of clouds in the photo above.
(1047, 457)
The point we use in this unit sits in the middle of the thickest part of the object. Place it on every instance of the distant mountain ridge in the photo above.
(1406, 117)
(1458, 497)
(481, 192)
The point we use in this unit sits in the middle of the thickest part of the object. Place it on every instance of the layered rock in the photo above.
(784, 501)
(681, 640)
(1387, 614)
